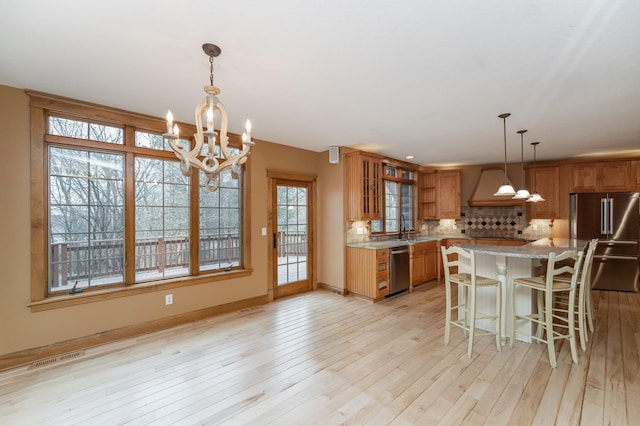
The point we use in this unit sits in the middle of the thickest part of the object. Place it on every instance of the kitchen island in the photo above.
(505, 263)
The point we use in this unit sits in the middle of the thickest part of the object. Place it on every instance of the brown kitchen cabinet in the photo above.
(636, 173)
(609, 176)
(423, 262)
(439, 194)
(547, 184)
(368, 272)
(363, 186)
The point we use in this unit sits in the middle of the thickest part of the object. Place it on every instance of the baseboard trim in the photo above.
(17, 359)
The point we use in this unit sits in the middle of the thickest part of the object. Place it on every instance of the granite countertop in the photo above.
(403, 243)
(536, 249)
(392, 243)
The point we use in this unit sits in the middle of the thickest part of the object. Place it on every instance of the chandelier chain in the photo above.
(211, 70)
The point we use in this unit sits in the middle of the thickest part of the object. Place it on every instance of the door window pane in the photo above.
(292, 210)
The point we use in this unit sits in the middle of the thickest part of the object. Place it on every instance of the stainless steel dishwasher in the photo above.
(399, 270)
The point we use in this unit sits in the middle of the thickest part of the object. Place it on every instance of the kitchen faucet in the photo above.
(402, 227)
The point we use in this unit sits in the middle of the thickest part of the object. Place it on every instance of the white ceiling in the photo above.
(421, 77)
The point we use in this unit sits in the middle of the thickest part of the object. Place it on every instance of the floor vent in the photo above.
(56, 359)
(251, 310)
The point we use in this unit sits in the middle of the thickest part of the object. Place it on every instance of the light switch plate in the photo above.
(264, 232)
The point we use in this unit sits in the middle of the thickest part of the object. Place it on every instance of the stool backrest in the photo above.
(587, 263)
(568, 263)
(456, 257)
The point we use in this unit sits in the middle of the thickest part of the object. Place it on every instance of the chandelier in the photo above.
(207, 111)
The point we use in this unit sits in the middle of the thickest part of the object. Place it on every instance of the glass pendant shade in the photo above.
(535, 198)
(505, 189)
(522, 194)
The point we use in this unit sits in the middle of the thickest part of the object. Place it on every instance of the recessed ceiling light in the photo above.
(409, 157)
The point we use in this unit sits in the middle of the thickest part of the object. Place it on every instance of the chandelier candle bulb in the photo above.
(169, 122)
(209, 119)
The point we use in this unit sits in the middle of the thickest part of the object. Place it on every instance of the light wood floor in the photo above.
(321, 358)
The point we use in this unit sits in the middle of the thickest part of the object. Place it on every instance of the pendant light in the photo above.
(535, 197)
(522, 193)
(506, 188)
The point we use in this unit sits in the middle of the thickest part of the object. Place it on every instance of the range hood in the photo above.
(488, 183)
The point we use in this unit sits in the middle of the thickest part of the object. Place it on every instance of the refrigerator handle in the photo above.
(610, 230)
(604, 220)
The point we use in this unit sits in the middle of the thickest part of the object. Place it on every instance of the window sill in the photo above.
(66, 300)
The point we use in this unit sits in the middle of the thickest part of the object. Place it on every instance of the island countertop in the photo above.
(537, 249)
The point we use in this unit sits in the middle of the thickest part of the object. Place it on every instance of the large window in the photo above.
(117, 210)
(398, 200)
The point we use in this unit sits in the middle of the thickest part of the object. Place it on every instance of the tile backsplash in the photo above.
(475, 222)
(490, 222)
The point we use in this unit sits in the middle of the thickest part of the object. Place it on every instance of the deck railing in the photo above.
(72, 261)
(292, 244)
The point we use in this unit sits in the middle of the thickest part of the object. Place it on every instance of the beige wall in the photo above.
(21, 329)
(331, 225)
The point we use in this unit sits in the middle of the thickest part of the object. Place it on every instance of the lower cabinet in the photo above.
(423, 262)
(368, 272)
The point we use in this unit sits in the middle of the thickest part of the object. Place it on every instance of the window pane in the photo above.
(84, 130)
(86, 218)
(69, 128)
(149, 140)
(391, 206)
(162, 220)
(407, 206)
(220, 238)
(390, 170)
(156, 141)
(102, 133)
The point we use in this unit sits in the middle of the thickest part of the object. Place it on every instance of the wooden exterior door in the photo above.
(292, 226)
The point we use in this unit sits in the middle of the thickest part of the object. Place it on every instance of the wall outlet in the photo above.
(168, 299)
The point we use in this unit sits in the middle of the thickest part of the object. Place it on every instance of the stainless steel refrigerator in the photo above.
(613, 218)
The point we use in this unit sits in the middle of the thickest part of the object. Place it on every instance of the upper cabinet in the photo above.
(439, 194)
(547, 184)
(610, 176)
(363, 195)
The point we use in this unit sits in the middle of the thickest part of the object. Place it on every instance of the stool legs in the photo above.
(447, 323)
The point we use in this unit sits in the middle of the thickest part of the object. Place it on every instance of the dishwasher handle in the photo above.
(399, 251)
